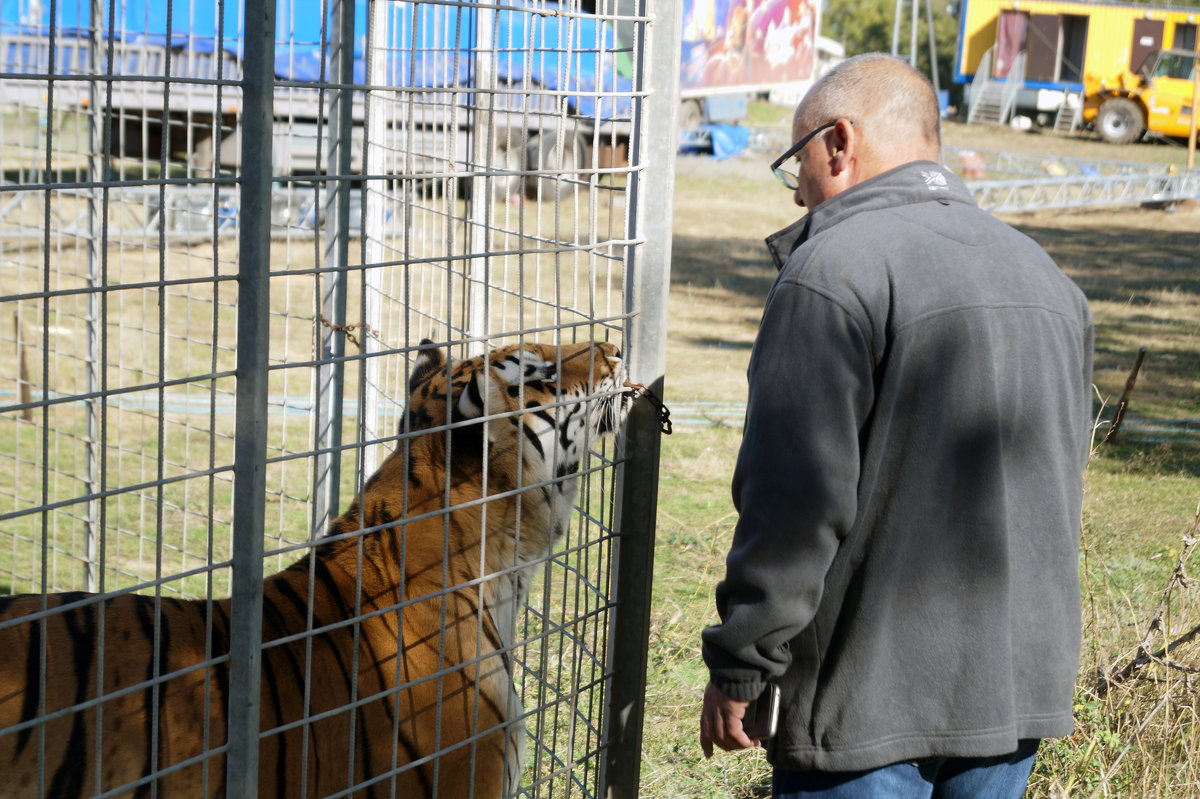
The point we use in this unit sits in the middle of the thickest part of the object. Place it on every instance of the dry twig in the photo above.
(1144, 657)
(1115, 425)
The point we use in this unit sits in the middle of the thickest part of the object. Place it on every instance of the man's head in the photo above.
(879, 112)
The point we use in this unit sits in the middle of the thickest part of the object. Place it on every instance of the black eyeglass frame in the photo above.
(789, 179)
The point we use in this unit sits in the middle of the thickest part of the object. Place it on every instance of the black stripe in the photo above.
(141, 605)
(33, 679)
(164, 667)
(382, 700)
(220, 636)
(410, 748)
(288, 593)
(147, 610)
(281, 762)
(324, 576)
(279, 619)
(5, 601)
(298, 602)
(211, 672)
(68, 779)
(281, 752)
(221, 671)
(534, 440)
(474, 393)
(565, 431)
(490, 631)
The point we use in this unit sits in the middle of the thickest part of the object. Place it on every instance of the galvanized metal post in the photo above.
(652, 145)
(933, 65)
(912, 41)
(374, 150)
(92, 530)
(483, 136)
(896, 12)
(250, 448)
(331, 374)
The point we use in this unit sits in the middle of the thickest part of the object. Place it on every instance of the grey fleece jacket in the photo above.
(905, 562)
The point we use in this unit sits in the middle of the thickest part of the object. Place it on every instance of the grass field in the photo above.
(1141, 271)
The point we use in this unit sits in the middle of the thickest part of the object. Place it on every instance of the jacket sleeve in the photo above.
(795, 485)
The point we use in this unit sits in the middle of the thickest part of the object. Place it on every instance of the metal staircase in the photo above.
(1070, 114)
(992, 101)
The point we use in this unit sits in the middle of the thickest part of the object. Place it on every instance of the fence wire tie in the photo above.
(664, 413)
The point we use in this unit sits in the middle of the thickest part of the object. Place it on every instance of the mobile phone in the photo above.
(762, 716)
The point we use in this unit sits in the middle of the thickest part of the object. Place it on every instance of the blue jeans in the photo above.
(1002, 777)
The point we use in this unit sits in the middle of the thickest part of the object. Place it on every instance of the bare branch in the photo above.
(1144, 657)
(1119, 416)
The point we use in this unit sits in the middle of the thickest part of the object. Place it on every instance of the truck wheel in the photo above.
(1120, 121)
(508, 159)
(556, 165)
(690, 114)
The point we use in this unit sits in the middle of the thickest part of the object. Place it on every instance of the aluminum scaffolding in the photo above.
(1008, 182)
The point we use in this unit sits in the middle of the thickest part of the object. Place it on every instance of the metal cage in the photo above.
(225, 230)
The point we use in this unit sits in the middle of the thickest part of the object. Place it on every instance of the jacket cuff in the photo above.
(741, 691)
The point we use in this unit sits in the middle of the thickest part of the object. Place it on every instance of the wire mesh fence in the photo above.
(231, 241)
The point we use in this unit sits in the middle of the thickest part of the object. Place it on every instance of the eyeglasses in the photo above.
(787, 178)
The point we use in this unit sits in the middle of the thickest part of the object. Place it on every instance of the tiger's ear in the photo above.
(430, 358)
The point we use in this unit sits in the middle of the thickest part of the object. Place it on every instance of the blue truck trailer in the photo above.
(552, 79)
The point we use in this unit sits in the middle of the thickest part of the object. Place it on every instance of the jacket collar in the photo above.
(918, 181)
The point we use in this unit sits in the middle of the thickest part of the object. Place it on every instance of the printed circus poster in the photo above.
(745, 43)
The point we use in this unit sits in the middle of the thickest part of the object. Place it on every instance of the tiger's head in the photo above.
(516, 422)
(558, 398)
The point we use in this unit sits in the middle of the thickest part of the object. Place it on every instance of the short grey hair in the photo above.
(880, 93)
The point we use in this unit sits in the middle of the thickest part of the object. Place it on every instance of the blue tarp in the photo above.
(728, 140)
(723, 140)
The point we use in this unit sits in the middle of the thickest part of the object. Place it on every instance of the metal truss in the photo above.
(1004, 182)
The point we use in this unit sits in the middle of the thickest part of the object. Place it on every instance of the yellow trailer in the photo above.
(1064, 45)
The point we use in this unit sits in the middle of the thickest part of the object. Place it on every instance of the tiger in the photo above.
(431, 560)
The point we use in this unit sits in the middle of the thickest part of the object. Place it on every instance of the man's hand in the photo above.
(721, 723)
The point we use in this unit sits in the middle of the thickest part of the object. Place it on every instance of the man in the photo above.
(909, 483)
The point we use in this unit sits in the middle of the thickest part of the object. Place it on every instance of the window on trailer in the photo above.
(1056, 47)
(1185, 37)
(1074, 48)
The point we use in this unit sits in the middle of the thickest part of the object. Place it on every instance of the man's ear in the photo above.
(843, 142)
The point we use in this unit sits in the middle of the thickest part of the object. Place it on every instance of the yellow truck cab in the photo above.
(1157, 97)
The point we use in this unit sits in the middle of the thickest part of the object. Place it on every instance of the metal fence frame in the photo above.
(248, 205)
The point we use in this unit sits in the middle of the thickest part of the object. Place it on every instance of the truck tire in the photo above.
(1120, 121)
(508, 159)
(691, 115)
(557, 166)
